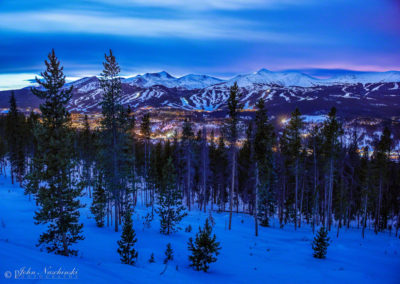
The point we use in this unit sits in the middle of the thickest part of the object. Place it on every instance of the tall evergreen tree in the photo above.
(58, 191)
(365, 180)
(291, 144)
(204, 169)
(381, 157)
(113, 131)
(234, 106)
(15, 140)
(87, 154)
(3, 153)
(32, 179)
(187, 145)
(223, 171)
(331, 132)
(170, 208)
(145, 131)
(263, 142)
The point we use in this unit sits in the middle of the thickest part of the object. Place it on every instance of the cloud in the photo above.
(207, 4)
(14, 81)
(103, 23)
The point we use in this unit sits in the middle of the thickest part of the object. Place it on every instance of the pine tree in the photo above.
(15, 122)
(113, 158)
(204, 249)
(170, 208)
(151, 259)
(58, 191)
(128, 240)
(364, 179)
(134, 177)
(145, 131)
(212, 157)
(31, 180)
(187, 145)
(291, 146)
(169, 254)
(87, 153)
(264, 138)
(98, 207)
(321, 243)
(331, 132)
(381, 158)
(231, 129)
(3, 152)
(204, 169)
(222, 168)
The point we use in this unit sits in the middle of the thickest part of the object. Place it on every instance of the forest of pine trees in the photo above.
(282, 177)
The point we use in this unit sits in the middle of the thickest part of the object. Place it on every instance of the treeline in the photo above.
(294, 177)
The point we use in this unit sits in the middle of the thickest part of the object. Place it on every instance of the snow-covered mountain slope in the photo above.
(189, 82)
(364, 78)
(275, 256)
(151, 79)
(193, 81)
(267, 77)
(299, 79)
(282, 92)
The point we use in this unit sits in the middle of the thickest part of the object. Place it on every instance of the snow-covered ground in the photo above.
(276, 256)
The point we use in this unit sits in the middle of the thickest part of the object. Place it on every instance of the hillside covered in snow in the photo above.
(275, 256)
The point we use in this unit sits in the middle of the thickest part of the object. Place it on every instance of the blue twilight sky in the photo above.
(215, 37)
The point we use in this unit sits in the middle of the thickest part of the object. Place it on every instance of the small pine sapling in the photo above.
(151, 259)
(188, 229)
(211, 219)
(126, 245)
(204, 249)
(320, 243)
(169, 253)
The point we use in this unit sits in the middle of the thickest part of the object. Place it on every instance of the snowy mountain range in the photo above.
(358, 93)
(189, 82)
(263, 76)
(299, 79)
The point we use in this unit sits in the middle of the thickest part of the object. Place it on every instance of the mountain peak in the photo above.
(162, 74)
(263, 70)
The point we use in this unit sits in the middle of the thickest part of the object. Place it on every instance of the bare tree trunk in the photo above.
(377, 218)
(232, 187)
(330, 194)
(324, 205)
(365, 216)
(111, 215)
(283, 200)
(188, 180)
(315, 193)
(116, 217)
(108, 213)
(204, 168)
(295, 192)
(301, 202)
(212, 198)
(255, 202)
